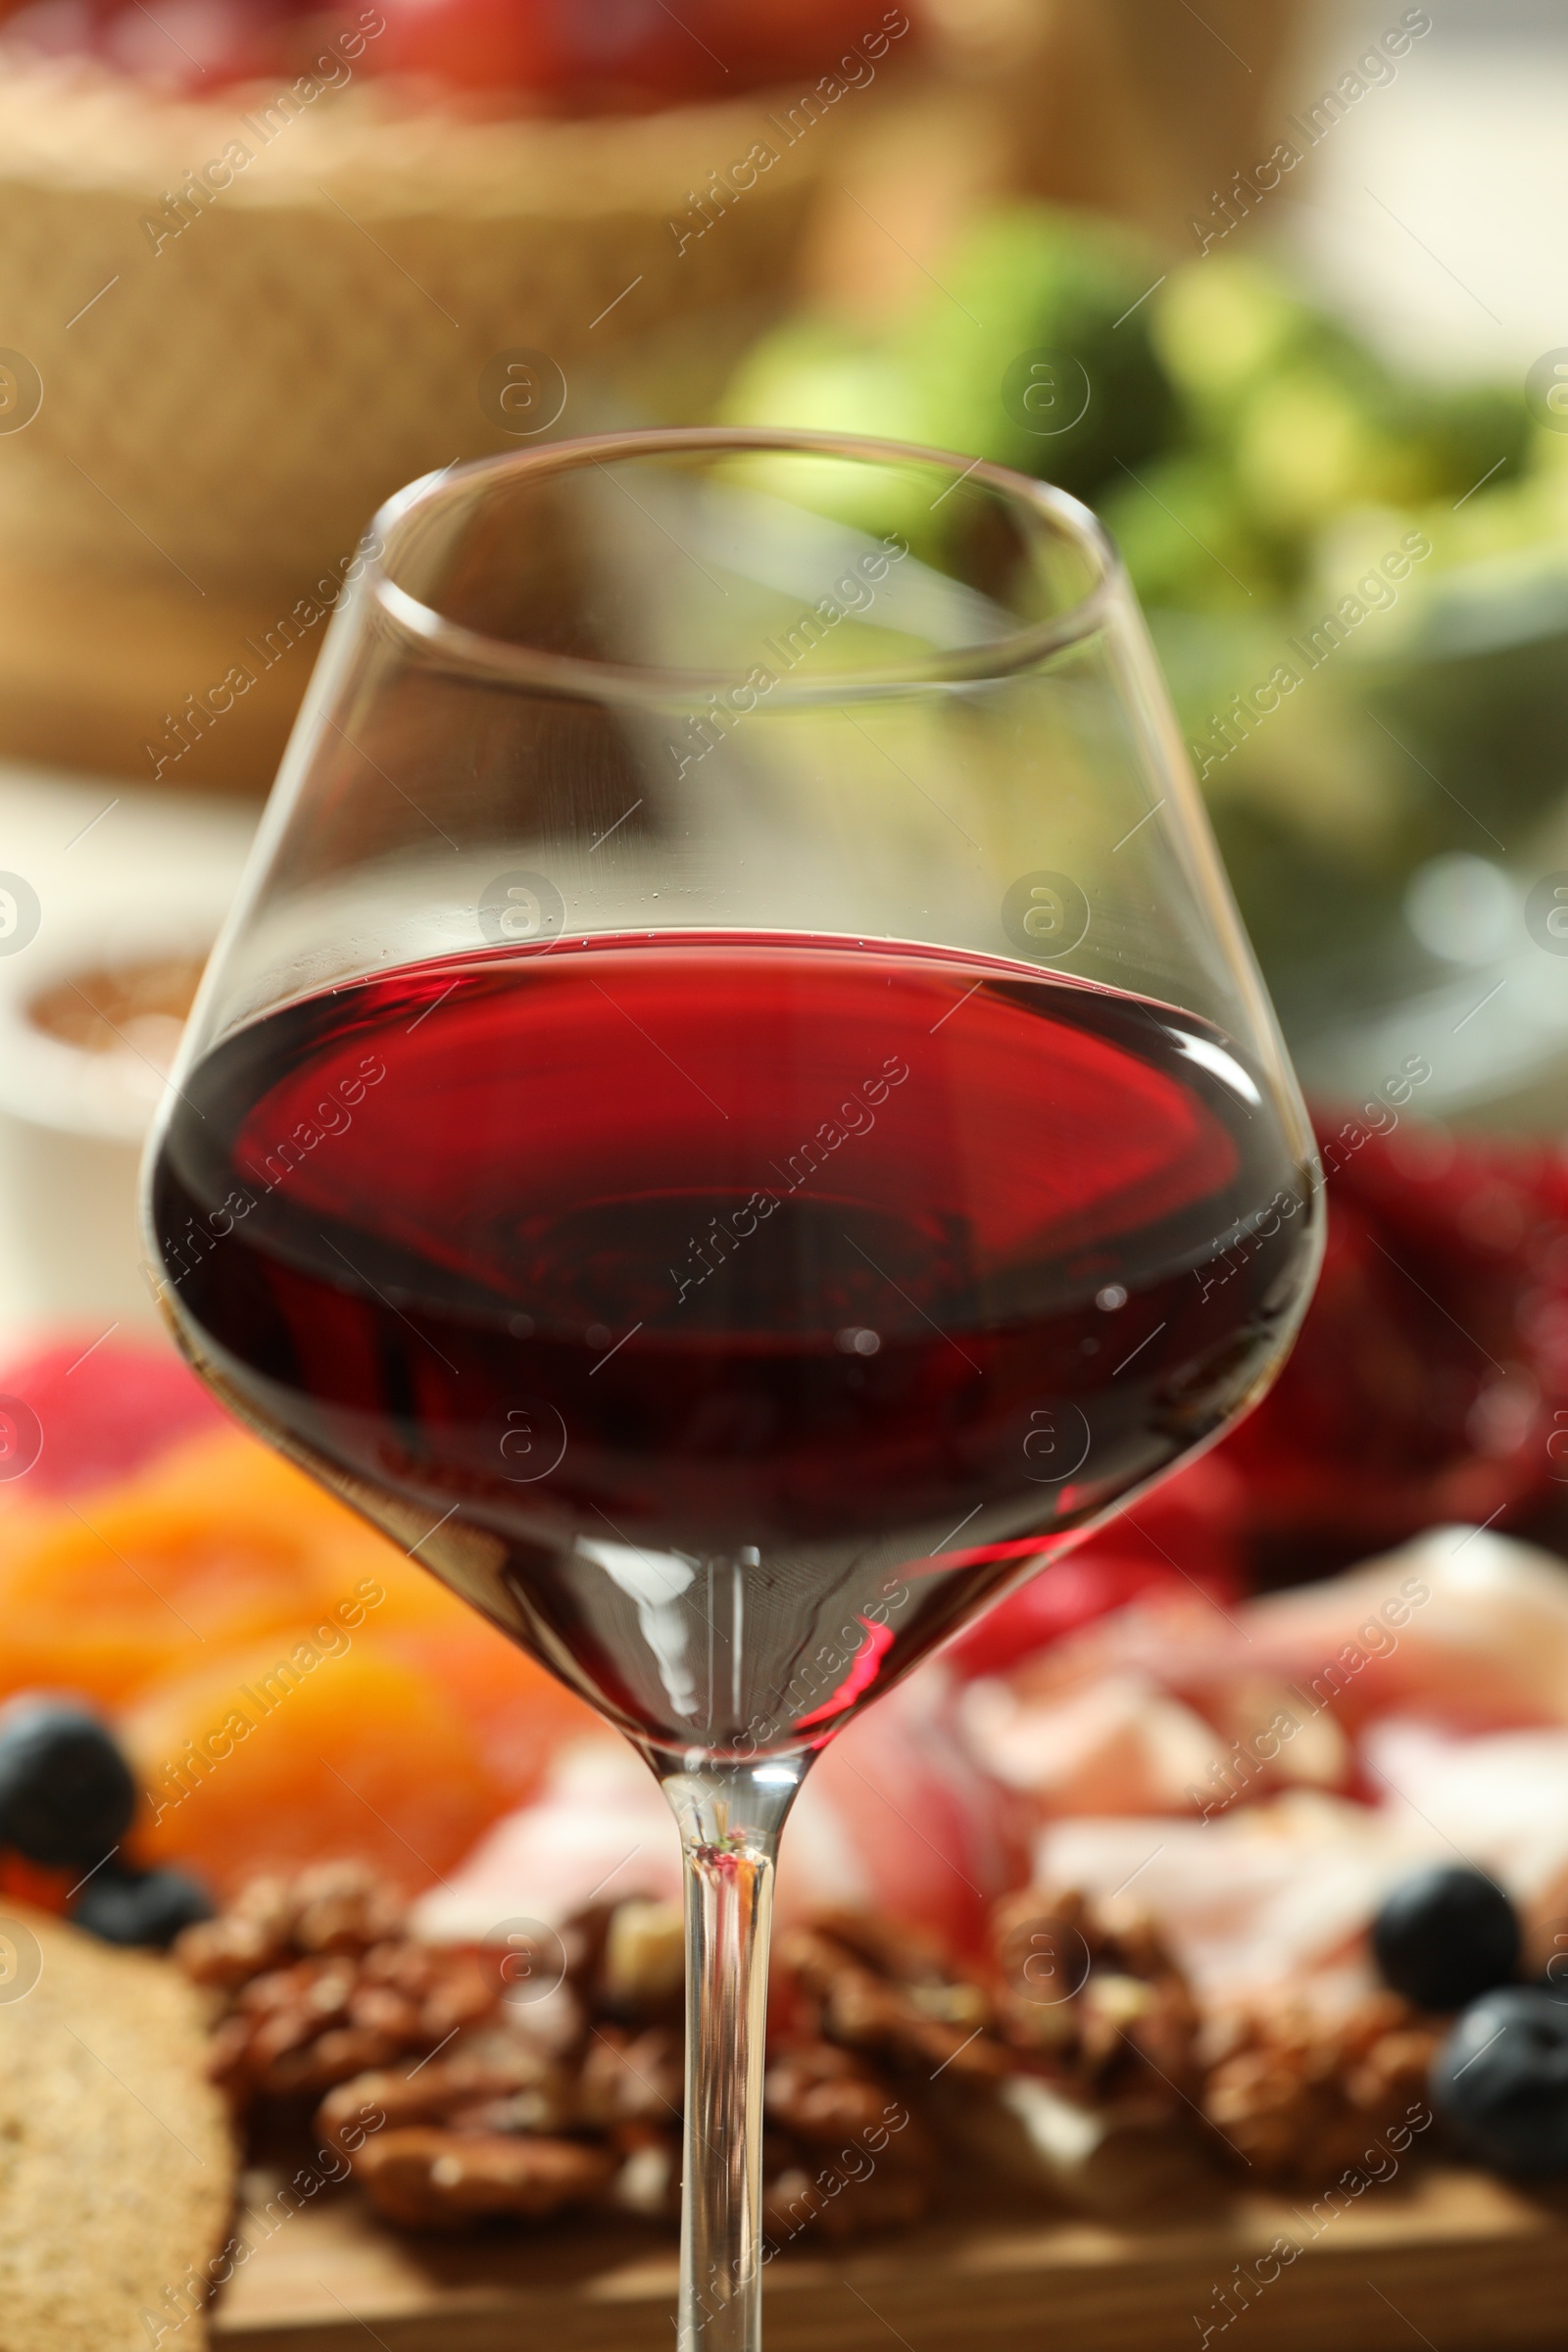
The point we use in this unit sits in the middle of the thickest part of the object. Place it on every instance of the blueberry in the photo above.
(1445, 1937)
(66, 1791)
(1501, 2080)
(139, 1906)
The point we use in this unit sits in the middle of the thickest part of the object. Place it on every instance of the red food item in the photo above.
(1429, 1383)
(1431, 1377)
(474, 44)
(193, 46)
(45, 1889)
(103, 1410)
(779, 41)
(627, 51)
(579, 56)
(52, 28)
(196, 45)
(1183, 1537)
(931, 1839)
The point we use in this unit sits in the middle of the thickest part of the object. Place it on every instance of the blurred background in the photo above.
(1277, 287)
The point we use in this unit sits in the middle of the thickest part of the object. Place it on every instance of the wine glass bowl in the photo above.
(734, 1115)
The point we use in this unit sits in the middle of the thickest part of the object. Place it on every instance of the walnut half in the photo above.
(1097, 2002)
(1298, 2097)
(873, 1986)
(427, 2178)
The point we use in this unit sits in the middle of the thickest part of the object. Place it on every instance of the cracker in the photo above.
(117, 2158)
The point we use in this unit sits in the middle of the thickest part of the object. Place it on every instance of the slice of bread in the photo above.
(117, 2159)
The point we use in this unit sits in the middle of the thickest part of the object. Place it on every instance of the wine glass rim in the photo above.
(452, 645)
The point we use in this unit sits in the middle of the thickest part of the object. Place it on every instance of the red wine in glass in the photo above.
(861, 1155)
(728, 1317)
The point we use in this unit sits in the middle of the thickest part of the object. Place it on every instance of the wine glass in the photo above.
(733, 1116)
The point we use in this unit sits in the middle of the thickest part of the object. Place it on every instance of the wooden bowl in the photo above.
(233, 328)
(242, 377)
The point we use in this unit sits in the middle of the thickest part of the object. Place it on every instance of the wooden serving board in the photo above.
(1458, 2261)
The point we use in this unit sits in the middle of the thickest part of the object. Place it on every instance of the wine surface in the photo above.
(728, 1317)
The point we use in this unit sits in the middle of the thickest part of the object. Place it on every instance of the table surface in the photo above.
(1452, 2259)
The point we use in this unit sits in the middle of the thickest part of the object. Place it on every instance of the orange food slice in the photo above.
(294, 1750)
(218, 1543)
(519, 1714)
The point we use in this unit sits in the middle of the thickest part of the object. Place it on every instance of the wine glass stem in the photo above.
(730, 1848)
